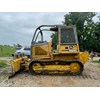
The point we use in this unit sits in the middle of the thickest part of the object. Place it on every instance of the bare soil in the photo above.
(89, 78)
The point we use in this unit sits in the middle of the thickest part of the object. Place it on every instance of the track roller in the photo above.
(35, 67)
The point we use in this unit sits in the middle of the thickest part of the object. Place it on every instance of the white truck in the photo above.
(22, 50)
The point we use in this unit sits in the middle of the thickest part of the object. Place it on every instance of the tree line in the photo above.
(88, 30)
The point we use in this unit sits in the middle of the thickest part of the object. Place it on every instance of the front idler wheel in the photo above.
(35, 68)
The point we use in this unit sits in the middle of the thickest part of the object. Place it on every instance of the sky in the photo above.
(18, 28)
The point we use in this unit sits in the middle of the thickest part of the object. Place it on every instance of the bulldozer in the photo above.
(59, 55)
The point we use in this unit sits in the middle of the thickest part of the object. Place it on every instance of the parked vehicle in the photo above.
(23, 50)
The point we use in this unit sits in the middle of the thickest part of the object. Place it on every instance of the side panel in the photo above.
(70, 56)
(41, 51)
(69, 48)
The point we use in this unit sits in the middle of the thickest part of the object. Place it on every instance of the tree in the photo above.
(92, 41)
(19, 45)
(97, 36)
(84, 25)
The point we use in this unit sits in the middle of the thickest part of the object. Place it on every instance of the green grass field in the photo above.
(3, 64)
(6, 51)
(95, 61)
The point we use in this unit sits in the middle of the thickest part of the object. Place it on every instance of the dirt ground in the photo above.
(89, 78)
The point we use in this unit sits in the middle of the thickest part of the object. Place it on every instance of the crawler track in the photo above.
(42, 63)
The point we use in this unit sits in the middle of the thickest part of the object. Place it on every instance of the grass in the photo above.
(3, 64)
(6, 51)
(95, 61)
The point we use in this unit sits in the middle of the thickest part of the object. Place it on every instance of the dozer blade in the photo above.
(17, 65)
(14, 73)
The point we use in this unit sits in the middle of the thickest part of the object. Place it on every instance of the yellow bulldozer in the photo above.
(55, 56)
